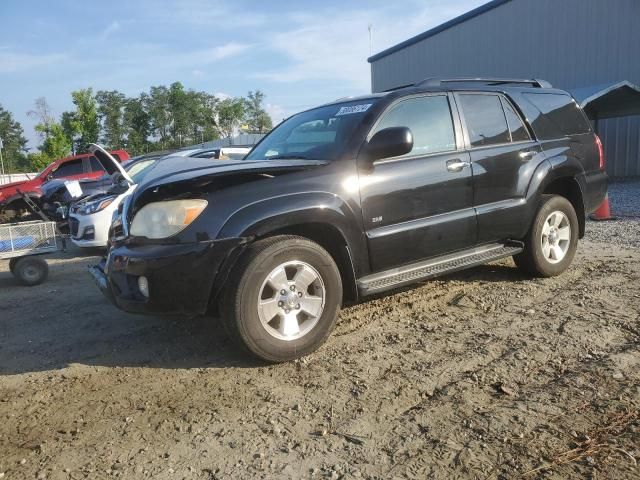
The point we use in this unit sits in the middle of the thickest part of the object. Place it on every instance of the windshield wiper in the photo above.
(289, 157)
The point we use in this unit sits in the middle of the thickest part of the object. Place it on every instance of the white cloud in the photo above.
(277, 112)
(213, 54)
(111, 28)
(11, 62)
(334, 44)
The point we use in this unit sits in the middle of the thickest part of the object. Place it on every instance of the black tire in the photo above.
(532, 260)
(239, 304)
(31, 271)
(12, 264)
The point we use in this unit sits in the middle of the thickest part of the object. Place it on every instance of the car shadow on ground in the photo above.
(67, 321)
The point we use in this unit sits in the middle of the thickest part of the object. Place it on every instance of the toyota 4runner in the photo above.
(355, 198)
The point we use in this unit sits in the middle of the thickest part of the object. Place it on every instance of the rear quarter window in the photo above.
(556, 115)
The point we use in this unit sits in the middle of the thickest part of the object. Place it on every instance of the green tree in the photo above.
(55, 145)
(156, 104)
(257, 118)
(179, 113)
(67, 122)
(111, 105)
(85, 121)
(55, 142)
(137, 125)
(14, 142)
(231, 112)
(208, 114)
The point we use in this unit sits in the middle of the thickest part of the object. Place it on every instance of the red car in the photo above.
(83, 166)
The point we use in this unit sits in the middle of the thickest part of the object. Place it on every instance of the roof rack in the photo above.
(436, 82)
(399, 87)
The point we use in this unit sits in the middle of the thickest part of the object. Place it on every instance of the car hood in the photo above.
(7, 186)
(187, 168)
(189, 174)
(110, 164)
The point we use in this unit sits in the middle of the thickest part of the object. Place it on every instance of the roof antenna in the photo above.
(370, 27)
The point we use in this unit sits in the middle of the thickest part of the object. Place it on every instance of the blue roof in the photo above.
(440, 28)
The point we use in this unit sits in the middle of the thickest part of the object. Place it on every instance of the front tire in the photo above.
(283, 298)
(552, 240)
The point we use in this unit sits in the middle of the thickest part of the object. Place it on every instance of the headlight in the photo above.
(93, 207)
(163, 219)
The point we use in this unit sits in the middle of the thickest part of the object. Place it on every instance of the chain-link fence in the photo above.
(26, 238)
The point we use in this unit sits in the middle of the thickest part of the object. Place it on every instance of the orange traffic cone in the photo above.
(603, 212)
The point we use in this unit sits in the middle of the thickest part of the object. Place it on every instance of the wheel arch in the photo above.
(569, 188)
(321, 217)
(330, 238)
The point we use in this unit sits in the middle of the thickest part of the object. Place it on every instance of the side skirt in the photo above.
(397, 277)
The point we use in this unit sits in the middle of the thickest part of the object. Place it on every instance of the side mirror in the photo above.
(389, 142)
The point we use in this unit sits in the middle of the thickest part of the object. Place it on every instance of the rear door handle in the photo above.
(457, 165)
(527, 154)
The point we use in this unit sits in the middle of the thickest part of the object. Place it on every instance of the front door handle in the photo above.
(457, 165)
(527, 154)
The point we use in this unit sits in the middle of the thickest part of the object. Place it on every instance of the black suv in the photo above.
(354, 198)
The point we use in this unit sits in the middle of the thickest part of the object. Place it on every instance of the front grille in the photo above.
(73, 226)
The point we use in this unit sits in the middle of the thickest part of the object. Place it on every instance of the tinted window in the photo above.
(516, 126)
(562, 115)
(67, 169)
(428, 118)
(116, 156)
(96, 166)
(485, 120)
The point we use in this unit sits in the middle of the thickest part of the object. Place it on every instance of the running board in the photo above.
(397, 277)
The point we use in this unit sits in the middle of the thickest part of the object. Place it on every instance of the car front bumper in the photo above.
(182, 278)
(90, 230)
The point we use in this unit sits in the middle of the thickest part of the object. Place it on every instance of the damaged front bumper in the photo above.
(181, 279)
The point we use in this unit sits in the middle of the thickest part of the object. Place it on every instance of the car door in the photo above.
(504, 156)
(70, 170)
(419, 205)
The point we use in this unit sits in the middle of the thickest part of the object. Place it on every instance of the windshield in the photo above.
(137, 170)
(320, 134)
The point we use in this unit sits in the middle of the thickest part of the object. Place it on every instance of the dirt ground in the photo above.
(482, 374)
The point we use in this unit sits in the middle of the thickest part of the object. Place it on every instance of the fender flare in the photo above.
(547, 173)
(293, 211)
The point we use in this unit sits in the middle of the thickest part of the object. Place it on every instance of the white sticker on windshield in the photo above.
(354, 109)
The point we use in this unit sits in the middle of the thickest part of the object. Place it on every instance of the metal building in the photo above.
(589, 47)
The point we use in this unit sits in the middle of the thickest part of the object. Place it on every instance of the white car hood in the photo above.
(110, 164)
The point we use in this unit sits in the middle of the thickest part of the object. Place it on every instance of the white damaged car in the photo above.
(90, 218)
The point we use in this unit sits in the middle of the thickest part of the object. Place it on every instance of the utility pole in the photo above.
(1, 161)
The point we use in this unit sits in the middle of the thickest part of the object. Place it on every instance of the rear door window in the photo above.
(430, 122)
(517, 128)
(69, 169)
(485, 119)
(560, 115)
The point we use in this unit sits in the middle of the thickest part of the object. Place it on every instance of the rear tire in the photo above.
(283, 298)
(31, 271)
(552, 240)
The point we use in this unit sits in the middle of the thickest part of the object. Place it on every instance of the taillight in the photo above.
(600, 152)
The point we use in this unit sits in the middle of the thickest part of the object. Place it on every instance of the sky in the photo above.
(300, 54)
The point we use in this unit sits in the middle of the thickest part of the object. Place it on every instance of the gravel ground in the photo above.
(624, 197)
(484, 374)
(624, 202)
